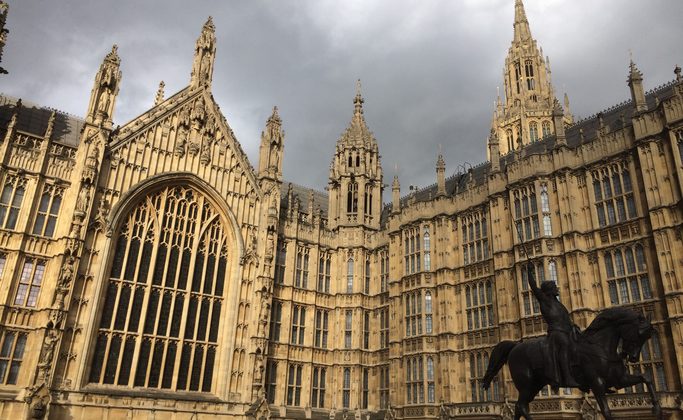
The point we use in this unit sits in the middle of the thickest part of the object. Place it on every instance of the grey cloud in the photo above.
(429, 68)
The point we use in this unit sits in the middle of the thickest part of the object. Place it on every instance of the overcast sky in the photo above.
(429, 69)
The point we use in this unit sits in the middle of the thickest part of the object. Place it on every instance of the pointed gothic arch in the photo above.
(170, 274)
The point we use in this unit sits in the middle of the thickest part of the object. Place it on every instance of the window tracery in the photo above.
(160, 317)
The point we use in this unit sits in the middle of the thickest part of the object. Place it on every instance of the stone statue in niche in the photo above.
(83, 199)
(205, 73)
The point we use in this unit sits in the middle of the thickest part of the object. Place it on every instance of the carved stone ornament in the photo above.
(205, 157)
(192, 148)
(250, 252)
(38, 400)
(181, 140)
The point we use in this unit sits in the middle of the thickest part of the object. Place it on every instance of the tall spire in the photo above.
(522, 30)
(355, 184)
(527, 112)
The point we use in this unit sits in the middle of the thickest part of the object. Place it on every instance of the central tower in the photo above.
(526, 115)
(355, 185)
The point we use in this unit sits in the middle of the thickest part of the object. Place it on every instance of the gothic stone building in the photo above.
(150, 271)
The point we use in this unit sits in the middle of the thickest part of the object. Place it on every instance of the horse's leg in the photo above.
(525, 397)
(599, 388)
(630, 380)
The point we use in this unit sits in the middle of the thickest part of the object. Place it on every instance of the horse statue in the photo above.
(599, 355)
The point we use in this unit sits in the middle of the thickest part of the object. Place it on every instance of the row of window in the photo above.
(319, 385)
(301, 271)
(321, 323)
(12, 196)
(352, 199)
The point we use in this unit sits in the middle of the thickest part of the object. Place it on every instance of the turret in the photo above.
(355, 185)
(270, 152)
(494, 150)
(635, 83)
(526, 115)
(104, 92)
(558, 121)
(204, 55)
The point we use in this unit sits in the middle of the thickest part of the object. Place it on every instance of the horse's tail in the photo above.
(499, 356)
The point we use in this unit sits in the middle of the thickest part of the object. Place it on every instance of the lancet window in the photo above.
(11, 356)
(10, 201)
(384, 269)
(530, 303)
(526, 213)
(415, 380)
(46, 219)
(324, 267)
(613, 191)
(545, 126)
(479, 304)
(412, 250)
(159, 325)
(475, 242)
(627, 276)
(478, 363)
(650, 365)
(533, 131)
(529, 70)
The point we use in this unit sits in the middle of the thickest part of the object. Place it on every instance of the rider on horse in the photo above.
(561, 333)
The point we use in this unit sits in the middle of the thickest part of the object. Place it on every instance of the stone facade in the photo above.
(149, 270)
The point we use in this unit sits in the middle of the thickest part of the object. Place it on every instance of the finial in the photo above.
(677, 72)
(114, 54)
(160, 93)
(209, 24)
(50, 125)
(358, 100)
(275, 116)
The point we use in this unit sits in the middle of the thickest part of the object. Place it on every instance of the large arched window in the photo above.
(160, 317)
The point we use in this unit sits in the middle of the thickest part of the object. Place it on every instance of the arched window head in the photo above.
(552, 271)
(533, 131)
(164, 295)
(546, 128)
(349, 275)
(529, 71)
(352, 198)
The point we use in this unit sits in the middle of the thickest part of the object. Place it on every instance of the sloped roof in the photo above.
(320, 199)
(33, 119)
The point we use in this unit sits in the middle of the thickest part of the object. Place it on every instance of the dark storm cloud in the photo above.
(429, 68)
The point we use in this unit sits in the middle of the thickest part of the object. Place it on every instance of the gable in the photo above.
(188, 129)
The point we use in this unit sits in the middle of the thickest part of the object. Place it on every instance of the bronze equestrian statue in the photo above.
(593, 360)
